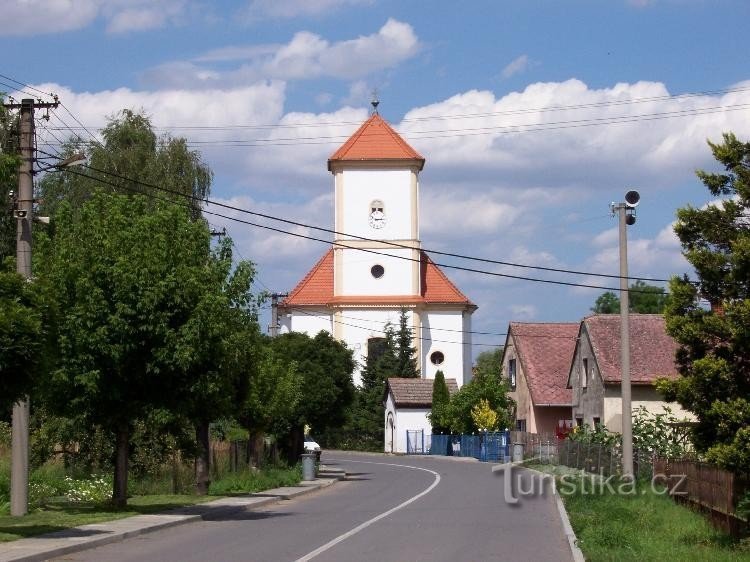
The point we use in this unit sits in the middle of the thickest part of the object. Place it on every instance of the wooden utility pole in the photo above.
(23, 212)
(273, 329)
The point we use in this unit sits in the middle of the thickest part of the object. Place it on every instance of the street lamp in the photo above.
(626, 212)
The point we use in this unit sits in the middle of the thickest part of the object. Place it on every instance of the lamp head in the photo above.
(632, 198)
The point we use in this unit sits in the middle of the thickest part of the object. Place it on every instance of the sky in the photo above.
(532, 116)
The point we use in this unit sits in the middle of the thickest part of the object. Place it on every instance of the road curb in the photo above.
(34, 549)
(575, 551)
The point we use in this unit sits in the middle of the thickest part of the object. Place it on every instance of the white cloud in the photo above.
(21, 17)
(516, 66)
(523, 312)
(282, 9)
(306, 56)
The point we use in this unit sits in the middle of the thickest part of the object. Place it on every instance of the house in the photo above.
(594, 374)
(536, 360)
(407, 403)
(376, 266)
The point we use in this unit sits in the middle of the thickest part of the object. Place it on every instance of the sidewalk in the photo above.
(59, 543)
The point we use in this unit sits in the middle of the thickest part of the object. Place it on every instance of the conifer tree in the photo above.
(440, 400)
(406, 353)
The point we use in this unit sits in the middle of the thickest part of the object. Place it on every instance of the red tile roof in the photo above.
(376, 140)
(415, 393)
(652, 350)
(316, 288)
(545, 351)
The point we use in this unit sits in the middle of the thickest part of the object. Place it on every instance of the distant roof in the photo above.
(652, 350)
(545, 351)
(376, 140)
(415, 393)
(316, 288)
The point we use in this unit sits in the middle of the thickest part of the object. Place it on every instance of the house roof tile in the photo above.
(376, 140)
(652, 350)
(545, 351)
(316, 288)
(415, 393)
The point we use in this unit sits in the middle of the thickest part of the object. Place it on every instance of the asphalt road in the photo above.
(391, 509)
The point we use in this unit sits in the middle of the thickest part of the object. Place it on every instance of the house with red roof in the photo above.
(594, 374)
(536, 361)
(376, 265)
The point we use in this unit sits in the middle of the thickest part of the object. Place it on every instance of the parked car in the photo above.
(312, 447)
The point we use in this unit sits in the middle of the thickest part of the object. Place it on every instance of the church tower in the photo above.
(376, 265)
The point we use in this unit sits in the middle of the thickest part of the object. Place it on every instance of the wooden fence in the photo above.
(706, 487)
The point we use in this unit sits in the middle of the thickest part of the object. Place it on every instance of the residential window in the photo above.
(585, 374)
(597, 422)
(520, 425)
(579, 422)
(512, 373)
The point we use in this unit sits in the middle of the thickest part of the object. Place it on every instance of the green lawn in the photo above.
(58, 514)
(644, 526)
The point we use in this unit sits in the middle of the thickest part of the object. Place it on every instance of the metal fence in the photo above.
(491, 447)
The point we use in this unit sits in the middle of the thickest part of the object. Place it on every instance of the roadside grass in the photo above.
(57, 513)
(645, 525)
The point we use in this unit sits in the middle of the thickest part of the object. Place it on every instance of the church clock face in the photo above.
(377, 214)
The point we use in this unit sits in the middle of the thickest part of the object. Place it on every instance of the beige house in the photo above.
(536, 360)
(594, 374)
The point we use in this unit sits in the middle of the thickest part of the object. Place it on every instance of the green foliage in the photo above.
(656, 434)
(9, 161)
(406, 352)
(21, 336)
(251, 480)
(599, 434)
(484, 417)
(714, 352)
(489, 363)
(439, 414)
(493, 389)
(642, 298)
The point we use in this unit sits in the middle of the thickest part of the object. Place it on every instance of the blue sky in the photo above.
(452, 78)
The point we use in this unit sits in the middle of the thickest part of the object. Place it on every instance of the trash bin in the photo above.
(517, 452)
(308, 466)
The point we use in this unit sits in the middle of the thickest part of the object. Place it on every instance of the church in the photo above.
(376, 265)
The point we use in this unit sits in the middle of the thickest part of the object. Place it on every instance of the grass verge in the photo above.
(644, 525)
(59, 514)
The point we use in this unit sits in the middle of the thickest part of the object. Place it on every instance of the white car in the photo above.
(312, 447)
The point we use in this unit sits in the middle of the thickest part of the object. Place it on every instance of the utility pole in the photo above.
(273, 328)
(23, 212)
(626, 215)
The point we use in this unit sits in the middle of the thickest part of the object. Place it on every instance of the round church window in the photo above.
(437, 357)
(377, 271)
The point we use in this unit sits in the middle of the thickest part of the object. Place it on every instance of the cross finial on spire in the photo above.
(375, 102)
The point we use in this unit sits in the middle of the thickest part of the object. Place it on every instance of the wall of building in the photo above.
(357, 279)
(449, 343)
(406, 419)
(640, 395)
(521, 395)
(588, 402)
(547, 417)
(359, 188)
(310, 322)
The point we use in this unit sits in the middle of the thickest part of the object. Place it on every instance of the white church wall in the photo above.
(361, 187)
(448, 343)
(310, 322)
(411, 419)
(468, 355)
(358, 278)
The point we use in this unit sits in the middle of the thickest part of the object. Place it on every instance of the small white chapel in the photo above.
(376, 265)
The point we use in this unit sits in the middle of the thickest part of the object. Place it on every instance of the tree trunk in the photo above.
(120, 493)
(202, 476)
(255, 449)
(294, 446)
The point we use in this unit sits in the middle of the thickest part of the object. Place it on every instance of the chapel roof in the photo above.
(652, 350)
(415, 393)
(545, 351)
(376, 140)
(316, 288)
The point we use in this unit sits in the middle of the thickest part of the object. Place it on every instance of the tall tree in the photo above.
(406, 353)
(125, 276)
(643, 299)
(493, 389)
(489, 363)
(440, 402)
(9, 160)
(714, 352)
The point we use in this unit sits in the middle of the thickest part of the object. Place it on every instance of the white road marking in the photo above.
(377, 518)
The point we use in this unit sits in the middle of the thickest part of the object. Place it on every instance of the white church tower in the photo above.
(376, 265)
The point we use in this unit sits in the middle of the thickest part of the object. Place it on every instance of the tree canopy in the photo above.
(714, 345)
(642, 299)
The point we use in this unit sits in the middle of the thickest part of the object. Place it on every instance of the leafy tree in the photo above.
(22, 336)
(326, 366)
(125, 276)
(9, 160)
(131, 159)
(494, 389)
(489, 363)
(406, 353)
(483, 416)
(440, 402)
(714, 345)
(642, 299)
